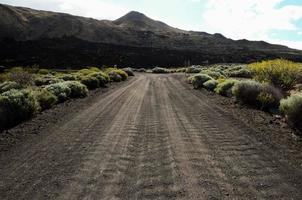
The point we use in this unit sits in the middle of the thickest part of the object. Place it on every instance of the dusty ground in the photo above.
(151, 138)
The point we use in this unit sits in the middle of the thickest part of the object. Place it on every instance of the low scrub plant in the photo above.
(257, 94)
(60, 90)
(102, 77)
(43, 71)
(224, 88)
(68, 77)
(241, 73)
(213, 74)
(160, 70)
(9, 85)
(46, 80)
(77, 89)
(199, 79)
(129, 71)
(21, 77)
(45, 98)
(88, 70)
(90, 82)
(115, 77)
(120, 72)
(292, 109)
(281, 73)
(210, 85)
(193, 70)
(16, 106)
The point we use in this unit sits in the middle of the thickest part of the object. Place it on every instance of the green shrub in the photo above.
(129, 71)
(210, 85)
(225, 88)
(281, 73)
(88, 71)
(199, 79)
(68, 77)
(160, 70)
(21, 77)
(102, 77)
(16, 106)
(90, 82)
(213, 74)
(47, 80)
(60, 90)
(193, 70)
(292, 109)
(43, 71)
(241, 73)
(77, 89)
(120, 72)
(115, 77)
(8, 85)
(45, 98)
(257, 94)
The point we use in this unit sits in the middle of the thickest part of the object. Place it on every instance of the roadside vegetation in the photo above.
(25, 92)
(273, 85)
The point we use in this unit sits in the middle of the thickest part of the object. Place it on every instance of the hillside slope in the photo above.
(134, 30)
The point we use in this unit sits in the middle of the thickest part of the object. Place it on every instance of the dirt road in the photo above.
(150, 138)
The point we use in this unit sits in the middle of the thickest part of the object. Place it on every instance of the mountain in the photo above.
(31, 36)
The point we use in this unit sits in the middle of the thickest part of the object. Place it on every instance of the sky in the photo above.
(274, 21)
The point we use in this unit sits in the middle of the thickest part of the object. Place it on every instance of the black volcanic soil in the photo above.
(60, 53)
(152, 137)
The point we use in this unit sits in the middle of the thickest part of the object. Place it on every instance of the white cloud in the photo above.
(87, 8)
(292, 44)
(250, 19)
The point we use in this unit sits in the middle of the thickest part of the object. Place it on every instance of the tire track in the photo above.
(239, 157)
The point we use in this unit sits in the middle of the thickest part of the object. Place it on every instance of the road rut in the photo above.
(151, 138)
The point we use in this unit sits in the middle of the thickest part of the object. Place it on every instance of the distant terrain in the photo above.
(30, 36)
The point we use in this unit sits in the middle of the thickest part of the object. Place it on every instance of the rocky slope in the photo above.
(21, 28)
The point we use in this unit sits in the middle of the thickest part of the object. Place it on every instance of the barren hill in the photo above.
(133, 39)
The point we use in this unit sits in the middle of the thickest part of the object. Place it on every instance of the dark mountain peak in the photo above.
(138, 21)
(134, 15)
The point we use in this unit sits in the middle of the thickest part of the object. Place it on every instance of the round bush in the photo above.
(193, 70)
(77, 89)
(16, 106)
(257, 94)
(160, 70)
(112, 73)
(90, 82)
(210, 85)
(60, 90)
(102, 78)
(241, 73)
(213, 74)
(199, 79)
(8, 85)
(129, 71)
(46, 80)
(68, 77)
(292, 109)
(43, 71)
(224, 88)
(45, 98)
(115, 77)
